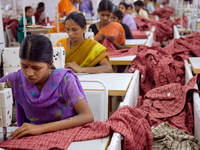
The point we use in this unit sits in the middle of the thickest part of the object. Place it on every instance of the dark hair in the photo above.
(118, 13)
(105, 5)
(129, 6)
(36, 47)
(27, 8)
(78, 18)
(138, 3)
(123, 3)
(41, 4)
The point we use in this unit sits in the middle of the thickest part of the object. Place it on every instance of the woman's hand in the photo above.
(27, 129)
(74, 67)
(101, 37)
(111, 38)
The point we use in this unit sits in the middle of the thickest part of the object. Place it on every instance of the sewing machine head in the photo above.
(6, 101)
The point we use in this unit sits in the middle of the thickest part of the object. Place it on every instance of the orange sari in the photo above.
(62, 5)
(113, 29)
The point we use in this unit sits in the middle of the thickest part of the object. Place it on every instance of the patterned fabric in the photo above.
(113, 29)
(170, 103)
(160, 66)
(128, 121)
(55, 102)
(86, 54)
(164, 137)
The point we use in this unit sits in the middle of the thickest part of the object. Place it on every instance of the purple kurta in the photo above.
(129, 21)
(55, 102)
(86, 7)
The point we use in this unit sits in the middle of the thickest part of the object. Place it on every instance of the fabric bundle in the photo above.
(13, 25)
(170, 103)
(160, 66)
(128, 121)
(164, 12)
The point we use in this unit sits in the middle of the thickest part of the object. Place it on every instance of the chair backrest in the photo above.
(54, 37)
(150, 40)
(176, 33)
(196, 101)
(11, 61)
(10, 36)
(97, 99)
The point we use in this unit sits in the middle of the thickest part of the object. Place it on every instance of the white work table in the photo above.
(117, 83)
(195, 63)
(134, 42)
(124, 60)
(98, 144)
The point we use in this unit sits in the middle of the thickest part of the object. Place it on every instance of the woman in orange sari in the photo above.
(68, 7)
(83, 55)
(105, 29)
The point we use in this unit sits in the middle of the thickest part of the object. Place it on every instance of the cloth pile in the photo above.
(164, 137)
(128, 121)
(13, 25)
(170, 103)
(160, 66)
(164, 12)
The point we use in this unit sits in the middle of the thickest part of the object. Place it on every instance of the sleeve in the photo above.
(37, 17)
(152, 8)
(93, 28)
(73, 90)
(9, 80)
(21, 25)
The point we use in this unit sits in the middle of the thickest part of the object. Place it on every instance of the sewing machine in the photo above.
(6, 101)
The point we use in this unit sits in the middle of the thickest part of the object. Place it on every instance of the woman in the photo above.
(105, 29)
(46, 100)
(117, 17)
(83, 55)
(39, 14)
(20, 30)
(66, 6)
(86, 6)
(127, 18)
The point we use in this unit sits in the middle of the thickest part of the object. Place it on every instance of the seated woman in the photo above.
(39, 14)
(105, 29)
(117, 17)
(20, 30)
(46, 100)
(66, 6)
(83, 55)
(127, 18)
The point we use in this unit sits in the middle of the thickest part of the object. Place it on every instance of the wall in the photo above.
(1, 28)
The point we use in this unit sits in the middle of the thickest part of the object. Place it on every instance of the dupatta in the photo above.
(113, 29)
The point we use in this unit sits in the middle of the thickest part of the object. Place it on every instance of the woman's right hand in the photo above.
(101, 37)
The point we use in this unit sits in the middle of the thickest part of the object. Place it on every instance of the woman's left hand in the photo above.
(27, 129)
(74, 67)
(111, 38)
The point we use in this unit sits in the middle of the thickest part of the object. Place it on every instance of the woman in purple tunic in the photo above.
(46, 100)
(127, 19)
(86, 6)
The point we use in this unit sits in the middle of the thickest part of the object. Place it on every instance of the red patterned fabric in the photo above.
(128, 121)
(13, 25)
(164, 12)
(169, 103)
(160, 66)
(137, 34)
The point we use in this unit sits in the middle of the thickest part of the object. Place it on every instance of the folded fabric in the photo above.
(137, 34)
(164, 137)
(164, 12)
(170, 103)
(128, 121)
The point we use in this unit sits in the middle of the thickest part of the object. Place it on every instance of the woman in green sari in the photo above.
(83, 55)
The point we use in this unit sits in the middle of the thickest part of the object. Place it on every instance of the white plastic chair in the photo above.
(10, 39)
(54, 37)
(11, 61)
(131, 100)
(176, 33)
(196, 101)
(97, 99)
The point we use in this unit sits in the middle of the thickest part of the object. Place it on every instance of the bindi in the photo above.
(29, 65)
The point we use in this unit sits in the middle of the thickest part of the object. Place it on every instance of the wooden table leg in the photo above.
(110, 104)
